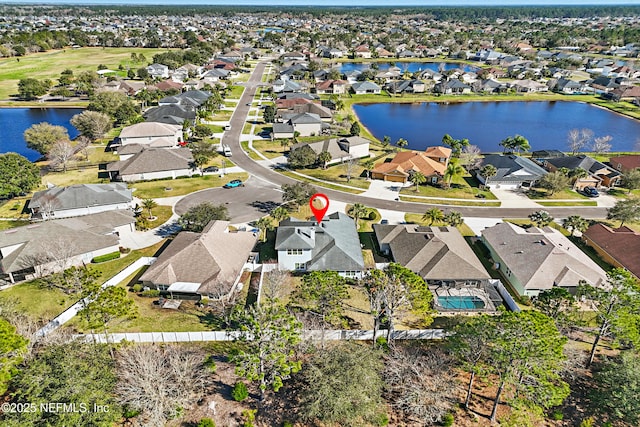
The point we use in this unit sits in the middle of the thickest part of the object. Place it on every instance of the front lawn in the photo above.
(461, 188)
(270, 149)
(182, 186)
(540, 193)
(365, 224)
(337, 174)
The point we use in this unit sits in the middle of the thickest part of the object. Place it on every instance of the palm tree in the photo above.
(507, 144)
(520, 143)
(368, 166)
(358, 211)
(488, 171)
(575, 223)
(324, 158)
(285, 143)
(454, 170)
(263, 224)
(418, 178)
(541, 218)
(279, 213)
(453, 218)
(433, 215)
(149, 204)
(401, 143)
(386, 141)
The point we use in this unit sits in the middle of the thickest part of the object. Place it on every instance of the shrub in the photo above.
(287, 424)
(204, 301)
(557, 415)
(206, 422)
(131, 413)
(240, 392)
(137, 287)
(250, 415)
(381, 342)
(372, 215)
(106, 257)
(150, 293)
(210, 363)
(447, 420)
(382, 420)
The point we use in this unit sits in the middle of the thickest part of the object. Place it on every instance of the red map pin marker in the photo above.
(319, 204)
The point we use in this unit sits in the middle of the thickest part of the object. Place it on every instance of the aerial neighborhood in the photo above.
(262, 216)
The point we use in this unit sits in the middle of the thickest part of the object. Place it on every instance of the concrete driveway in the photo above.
(245, 204)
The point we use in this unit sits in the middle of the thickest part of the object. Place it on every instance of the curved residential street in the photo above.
(241, 159)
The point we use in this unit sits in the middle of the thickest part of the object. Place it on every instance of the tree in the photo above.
(324, 158)
(368, 166)
(386, 141)
(457, 145)
(17, 175)
(264, 224)
(343, 386)
(41, 136)
(74, 373)
(453, 218)
(578, 139)
(558, 304)
(554, 181)
(60, 153)
(631, 180)
(401, 143)
(616, 309)
(29, 89)
(92, 124)
(577, 173)
(63, 92)
(349, 163)
(197, 217)
(355, 129)
(625, 210)
(159, 381)
(279, 213)
(358, 211)
(149, 205)
(453, 171)
(12, 349)
(302, 157)
(108, 304)
(488, 172)
(618, 385)
(575, 223)
(470, 157)
(541, 218)
(515, 143)
(417, 178)
(322, 294)
(602, 144)
(298, 193)
(116, 105)
(399, 291)
(275, 284)
(269, 114)
(433, 215)
(268, 334)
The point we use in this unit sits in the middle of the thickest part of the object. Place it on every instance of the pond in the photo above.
(410, 66)
(485, 124)
(14, 121)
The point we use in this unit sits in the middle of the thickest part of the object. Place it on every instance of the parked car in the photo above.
(248, 104)
(590, 192)
(384, 222)
(227, 127)
(233, 184)
(211, 169)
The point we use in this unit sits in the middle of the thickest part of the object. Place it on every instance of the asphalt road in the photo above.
(232, 138)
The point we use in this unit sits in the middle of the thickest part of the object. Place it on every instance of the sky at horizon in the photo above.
(356, 3)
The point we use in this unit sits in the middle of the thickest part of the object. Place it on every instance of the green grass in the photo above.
(235, 92)
(251, 153)
(182, 186)
(411, 218)
(5, 225)
(540, 193)
(49, 65)
(337, 174)
(576, 203)
(320, 184)
(162, 214)
(270, 149)
(87, 175)
(365, 224)
(461, 188)
(449, 202)
(14, 208)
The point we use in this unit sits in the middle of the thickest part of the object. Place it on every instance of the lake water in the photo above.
(14, 121)
(411, 66)
(485, 124)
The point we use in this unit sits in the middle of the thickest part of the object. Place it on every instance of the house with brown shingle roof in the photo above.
(619, 247)
(332, 86)
(431, 163)
(208, 263)
(153, 163)
(626, 163)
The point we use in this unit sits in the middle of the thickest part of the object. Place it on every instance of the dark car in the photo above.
(590, 192)
(233, 184)
(211, 169)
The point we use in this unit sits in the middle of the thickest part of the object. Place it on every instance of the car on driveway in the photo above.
(248, 104)
(233, 184)
(211, 169)
(590, 192)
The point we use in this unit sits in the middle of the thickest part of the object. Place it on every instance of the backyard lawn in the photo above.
(182, 186)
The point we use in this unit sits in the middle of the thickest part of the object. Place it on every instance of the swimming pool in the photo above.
(461, 302)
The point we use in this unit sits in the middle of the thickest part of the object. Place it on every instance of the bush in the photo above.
(250, 415)
(382, 420)
(557, 415)
(372, 215)
(106, 257)
(210, 363)
(287, 424)
(447, 420)
(150, 293)
(381, 342)
(240, 392)
(137, 287)
(204, 301)
(206, 422)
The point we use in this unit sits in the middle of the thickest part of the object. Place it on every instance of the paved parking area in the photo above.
(245, 204)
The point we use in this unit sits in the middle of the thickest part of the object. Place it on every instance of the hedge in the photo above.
(106, 257)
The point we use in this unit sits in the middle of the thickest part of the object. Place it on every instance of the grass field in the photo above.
(540, 193)
(49, 65)
(461, 188)
(182, 186)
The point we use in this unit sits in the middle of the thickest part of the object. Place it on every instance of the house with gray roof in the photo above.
(307, 124)
(208, 264)
(153, 163)
(437, 254)
(366, 87)
(48, 247)
(80, 199)
(332, 244)
(533, 260)
(173, 114)
(512, 171)
(599, 173)
(152, 134)
(343, 148)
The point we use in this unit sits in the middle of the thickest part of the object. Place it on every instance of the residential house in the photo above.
(307, 124)
(626, 93)
(406, 86)
(330, 245)
(529, 86)
(512, 171)
(214, 76)
(293, 56)
(208, 264)
(191, 99)
(158, 71)
(619, 247)
(341, 149)
(431, 163)
(366, 87)
(362, 51)
(337, 87)
(167, 85)
(567, 86)
(153, 163)
(453, 86)
(384, 53)
(625, 163)
(170, 114)
(533, 260)
(49, 247)
(599, 173)
(314, 108)
(281, 86)
(152, 134)
(79, 199)
(331, 53)
(489, 86)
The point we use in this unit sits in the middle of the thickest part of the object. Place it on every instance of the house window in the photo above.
(299, 266)
(350, 273)
(434, 179)
(294, 251)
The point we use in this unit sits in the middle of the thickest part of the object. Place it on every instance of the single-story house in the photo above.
(431, 163)
(353, 147)
(80, 199)
(619, 247)
(529, 86)
(331, 245)
(599, 173)
(280, 86)
(625, 163)
(170, 114)
(153, 163)
(362, 88)
(152, 134)
(512, 171)
(208, 264)
(534, 260)
(453, 86)
(49, 247)
(313, 107)
(362, 51)
(307, 124)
